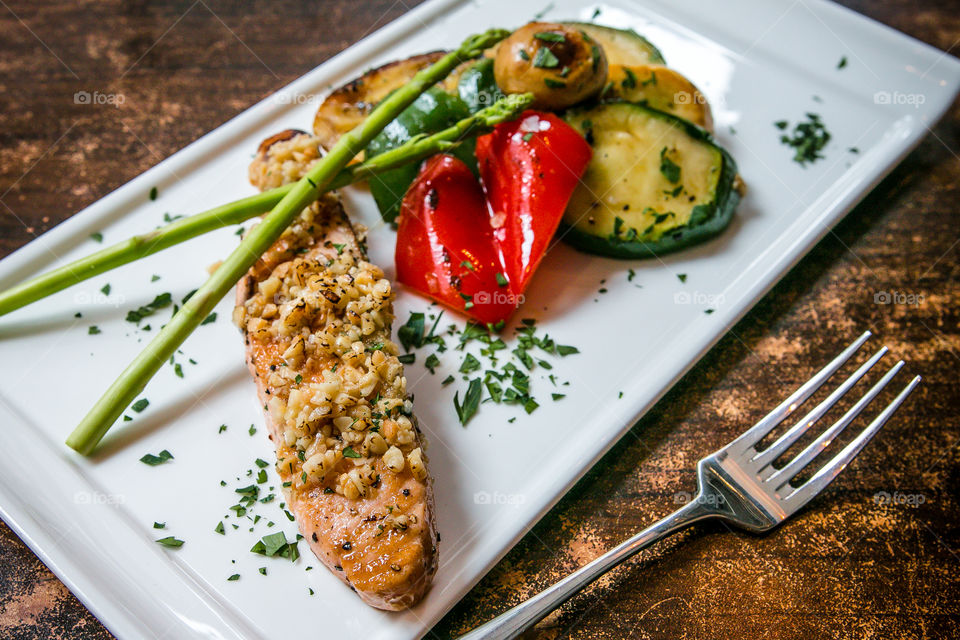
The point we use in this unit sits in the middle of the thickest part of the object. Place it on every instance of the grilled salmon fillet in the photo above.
(316, 319)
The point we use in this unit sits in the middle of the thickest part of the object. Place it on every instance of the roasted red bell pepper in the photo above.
(475, 248)
(529, 168)
(445, 245)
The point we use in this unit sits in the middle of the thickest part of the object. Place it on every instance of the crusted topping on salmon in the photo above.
(283, 158)
(320, 327)
(317, 318)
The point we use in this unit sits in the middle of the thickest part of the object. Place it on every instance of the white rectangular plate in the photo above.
(91, 520)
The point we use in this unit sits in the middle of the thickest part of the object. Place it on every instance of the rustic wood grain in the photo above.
(846, 567)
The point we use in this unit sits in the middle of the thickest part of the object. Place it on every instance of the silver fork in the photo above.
(737, 484)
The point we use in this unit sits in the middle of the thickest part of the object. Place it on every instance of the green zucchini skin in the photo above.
(614, 42)
(705, 221)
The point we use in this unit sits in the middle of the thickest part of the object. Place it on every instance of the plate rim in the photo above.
(123, 620)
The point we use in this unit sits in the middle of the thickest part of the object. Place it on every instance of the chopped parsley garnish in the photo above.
(93, 330)
(298, 379)
(501, 279)
(339, 247)
(669, 169)
(96, 237)
(234, 577)
(160, 302)
(154, 278)
(469, 364)
(544, 59)
(348, 452)
(140, 405)
(471, 401)
(210, 318)
(154, 460)
(630, 82)
(467, 265)
(252, 430)
(222, 428)
(524, 357)
(407, 358)
(554, 84)
(411, 333)
(549, 36)
(497, 372)
(682, 277)
(219, 528)
(170, 541)
(807, 139)
(153, 193)
(159, 525)
(276, 544)
(524, 55)
(842, 63)
(105, 290)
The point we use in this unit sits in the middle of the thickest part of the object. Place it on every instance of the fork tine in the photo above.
(755, 433)
(783, 443)
(826, 475)
(784, 475)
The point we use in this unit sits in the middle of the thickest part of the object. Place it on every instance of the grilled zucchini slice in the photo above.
(661, 88)
(622, 46)
(347, 106)
(656, 183)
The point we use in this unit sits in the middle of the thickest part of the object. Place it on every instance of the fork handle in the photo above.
(515, 621)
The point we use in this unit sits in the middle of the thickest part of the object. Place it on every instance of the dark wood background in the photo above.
(845, 567)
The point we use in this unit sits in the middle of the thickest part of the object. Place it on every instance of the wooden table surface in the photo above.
(849, 566)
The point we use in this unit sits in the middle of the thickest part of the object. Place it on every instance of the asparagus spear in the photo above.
(136, 376)
(146, 244)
